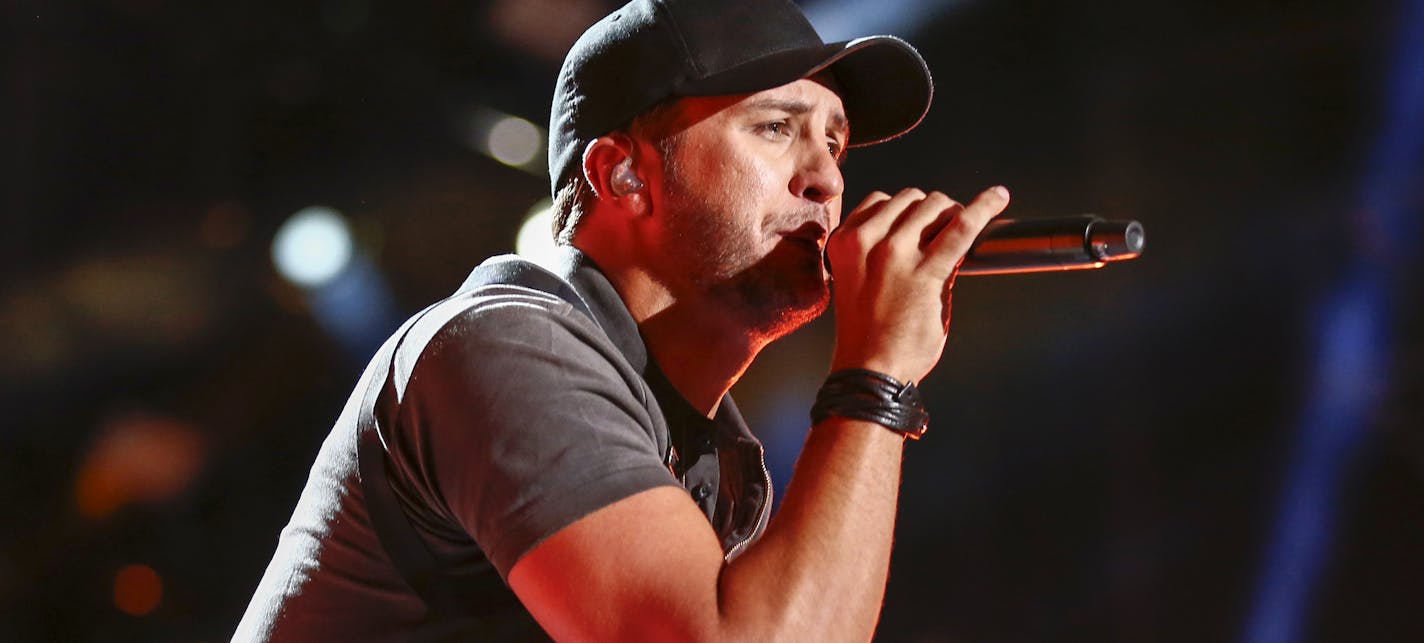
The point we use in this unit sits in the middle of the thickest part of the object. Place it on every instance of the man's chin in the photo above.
(784, 291)
(796, 305)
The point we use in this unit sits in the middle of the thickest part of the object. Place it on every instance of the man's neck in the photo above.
(700, 348)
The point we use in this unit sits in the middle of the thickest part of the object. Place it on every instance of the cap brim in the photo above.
(884, 83)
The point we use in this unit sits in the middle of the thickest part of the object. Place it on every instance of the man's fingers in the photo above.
(951, 243)
(865, 228)
(868, 206)
(916, 226)
(872, 223)
(913, 221)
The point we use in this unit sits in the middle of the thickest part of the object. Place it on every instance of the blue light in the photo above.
(355, 308)
(347, 296)
(847, 19)
(1350, 376)
(1354, 342)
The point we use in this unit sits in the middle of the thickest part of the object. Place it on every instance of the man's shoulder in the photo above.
(507, 288)
(506, 301)
(504, 309)
(497, 314)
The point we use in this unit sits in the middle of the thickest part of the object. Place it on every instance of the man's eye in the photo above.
(776, 129)
(835, 147)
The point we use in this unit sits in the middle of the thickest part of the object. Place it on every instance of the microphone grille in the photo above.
(1116, 240)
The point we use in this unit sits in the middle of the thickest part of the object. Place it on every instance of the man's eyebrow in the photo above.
(798, 107)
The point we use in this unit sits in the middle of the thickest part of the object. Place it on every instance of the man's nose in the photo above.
(818, 176)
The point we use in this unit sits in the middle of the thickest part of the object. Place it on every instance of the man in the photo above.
(557, 453)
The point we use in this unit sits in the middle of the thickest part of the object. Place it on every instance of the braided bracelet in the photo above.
(861, 394)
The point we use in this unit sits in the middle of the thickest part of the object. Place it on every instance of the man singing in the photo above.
(555, 454)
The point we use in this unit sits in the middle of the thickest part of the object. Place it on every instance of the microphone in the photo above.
(1009, 246)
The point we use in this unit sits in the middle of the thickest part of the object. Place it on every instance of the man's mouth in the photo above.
(810, 234)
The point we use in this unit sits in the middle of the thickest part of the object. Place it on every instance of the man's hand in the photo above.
(895, 259)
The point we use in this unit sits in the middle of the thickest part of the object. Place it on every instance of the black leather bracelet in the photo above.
(862, 394)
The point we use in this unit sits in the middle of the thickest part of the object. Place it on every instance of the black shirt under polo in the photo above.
(514, 415)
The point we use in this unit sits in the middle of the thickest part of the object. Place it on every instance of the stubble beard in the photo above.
(771, 295)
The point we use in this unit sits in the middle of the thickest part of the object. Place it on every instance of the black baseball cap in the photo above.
(651, 50)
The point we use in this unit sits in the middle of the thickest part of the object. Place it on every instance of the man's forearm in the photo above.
(819, 572)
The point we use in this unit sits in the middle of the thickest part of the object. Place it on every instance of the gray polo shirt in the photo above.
(512, 414)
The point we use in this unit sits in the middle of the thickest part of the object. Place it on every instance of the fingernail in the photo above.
(1001, 191)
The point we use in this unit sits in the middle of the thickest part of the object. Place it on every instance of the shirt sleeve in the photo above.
(519, 418)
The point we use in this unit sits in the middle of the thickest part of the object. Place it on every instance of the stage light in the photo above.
(847, 19)
(137, 459)
(514, 141)
(509, 139)
(341, 285)
(535, 240)
(1352, 366)
(543, 29)
(137, 590)
(312, 247)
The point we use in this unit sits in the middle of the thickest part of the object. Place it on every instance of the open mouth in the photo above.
(810, 234)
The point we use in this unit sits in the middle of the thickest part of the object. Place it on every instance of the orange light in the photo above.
(137, 590)
(137, 458)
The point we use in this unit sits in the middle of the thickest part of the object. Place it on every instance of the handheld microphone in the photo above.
(1008, 246)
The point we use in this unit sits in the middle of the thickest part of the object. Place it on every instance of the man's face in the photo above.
(750, 188)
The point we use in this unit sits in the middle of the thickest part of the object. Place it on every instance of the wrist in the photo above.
(893, 368)
(872, 396)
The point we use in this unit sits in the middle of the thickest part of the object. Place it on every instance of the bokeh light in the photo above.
(535, 240)
(514, 141)
(137, 458)
(138, 590)
(312, 247)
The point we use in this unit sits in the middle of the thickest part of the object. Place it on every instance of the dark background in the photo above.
(1157, 451)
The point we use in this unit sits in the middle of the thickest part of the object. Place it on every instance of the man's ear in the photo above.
(610, 167)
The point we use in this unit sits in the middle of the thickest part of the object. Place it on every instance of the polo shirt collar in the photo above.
(608, 309)
(740, 514)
